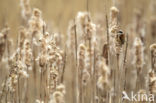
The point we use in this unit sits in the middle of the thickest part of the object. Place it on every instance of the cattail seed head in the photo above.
(26, 9)
(153, 56)
(139, 54)
(152, 82)
(114, 12)
(103, 80)
(85, 77)
(57, 97)
(61, 88)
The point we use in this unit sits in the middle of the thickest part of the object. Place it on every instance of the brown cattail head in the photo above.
(105, 52)
(153, 26)
(3, 40)
(152, 82)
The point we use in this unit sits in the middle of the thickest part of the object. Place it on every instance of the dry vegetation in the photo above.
(98, 60)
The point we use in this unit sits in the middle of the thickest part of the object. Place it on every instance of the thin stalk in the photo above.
(63, 70)
(3, 90)
(41, 77)
(76, 61)
(107, 26)
(94, 81)
(27, 86)
(19, 89)
(152, 63)
(124, 65)
(118, 74)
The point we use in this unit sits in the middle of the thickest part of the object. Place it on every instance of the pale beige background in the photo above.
(59, 12)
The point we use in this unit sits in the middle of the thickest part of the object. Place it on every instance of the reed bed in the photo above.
(94, 62)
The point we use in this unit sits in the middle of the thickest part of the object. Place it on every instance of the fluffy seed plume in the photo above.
(153, 56)
(103, 81)
(139, 54)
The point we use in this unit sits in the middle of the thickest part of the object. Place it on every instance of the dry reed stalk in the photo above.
(4, 85)
(106, 55)
(153, 26)
(64, 66)
(35, 29)
(113, 28)
(124, 65)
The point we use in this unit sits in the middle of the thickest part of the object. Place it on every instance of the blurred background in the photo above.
(57, 13)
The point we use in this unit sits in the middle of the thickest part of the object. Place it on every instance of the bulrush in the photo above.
(152, 82)
(81, 67)
(81, 21)
(139, 54)
(103, 81)
(13, 73)
(153, 56)
(2, 45)
(81, 56)
(104, 78)
(85, 27)
(59, 95)
(61, 88)
(114, 21)
(153, 26)
(36, 23)
(55, 66)
(28, 54)
(85, 77)
(3, 41)
(26, 9)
